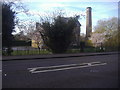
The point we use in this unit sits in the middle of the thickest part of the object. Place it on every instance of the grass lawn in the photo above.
(43, 52)
(30, 52)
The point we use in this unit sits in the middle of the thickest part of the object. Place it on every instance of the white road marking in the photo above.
(65, 68)
(0, 70)
(5, 75)
(61, 67)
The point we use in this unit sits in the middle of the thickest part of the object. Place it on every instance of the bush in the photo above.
(8, 25)
(57, 35)
(88, 43)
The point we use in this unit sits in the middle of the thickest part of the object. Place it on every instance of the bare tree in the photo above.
(107, 27)
(105, 31)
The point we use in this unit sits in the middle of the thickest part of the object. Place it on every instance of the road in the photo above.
(76, 72)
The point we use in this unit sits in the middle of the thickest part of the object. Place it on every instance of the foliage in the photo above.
(82, 46)
(82, 37)
(20, 36)
(7, 26)
(58, 34)
(106, 32)
(97, 39)
(107, 26)
(113, 42)
(88, 43)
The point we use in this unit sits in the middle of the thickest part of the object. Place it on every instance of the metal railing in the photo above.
(28, 50)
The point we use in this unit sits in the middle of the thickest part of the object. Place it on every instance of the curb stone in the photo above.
(11, 58)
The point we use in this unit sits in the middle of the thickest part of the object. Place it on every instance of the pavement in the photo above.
(49, 56)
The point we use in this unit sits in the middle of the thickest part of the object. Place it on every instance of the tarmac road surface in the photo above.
(72, 72)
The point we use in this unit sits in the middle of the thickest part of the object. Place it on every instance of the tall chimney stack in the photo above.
(88, 22)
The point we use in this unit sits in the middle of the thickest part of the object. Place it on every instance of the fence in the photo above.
(28, 50)
(97, 47)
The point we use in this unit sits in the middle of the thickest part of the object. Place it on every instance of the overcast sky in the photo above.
(100, 9)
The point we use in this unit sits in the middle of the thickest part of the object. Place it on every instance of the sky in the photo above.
(100, 9)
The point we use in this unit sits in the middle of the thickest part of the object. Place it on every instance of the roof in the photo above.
(78, 23)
